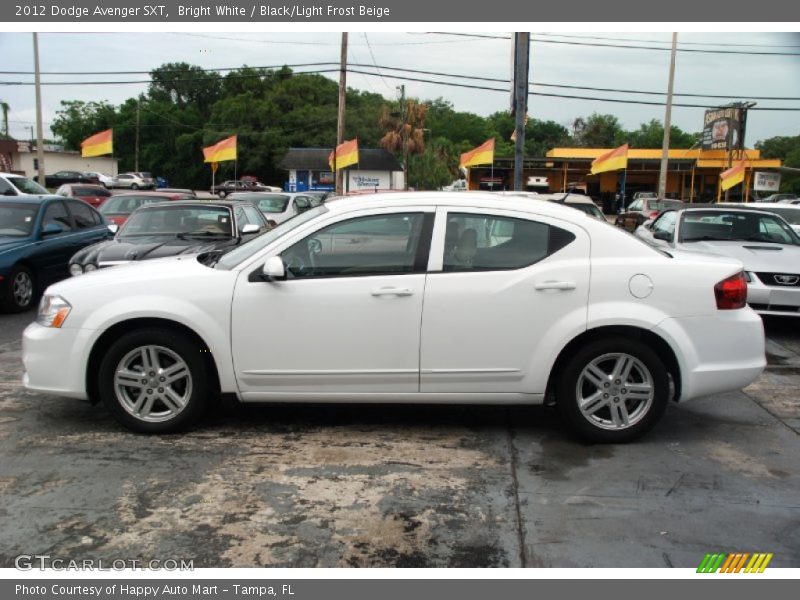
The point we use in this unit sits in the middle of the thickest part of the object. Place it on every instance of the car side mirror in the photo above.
(113, 228)
(250, 228)
(51, 229)
(663, 235)
(273, 269)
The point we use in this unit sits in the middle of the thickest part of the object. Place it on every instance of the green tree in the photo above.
(76, 120)
(436, 166)
(651, 135)
(600, 131)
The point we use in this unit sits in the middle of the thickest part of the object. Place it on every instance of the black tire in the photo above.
(590, 430)
(222, 193)
(11, 301)
(134, 186)
(181, 345)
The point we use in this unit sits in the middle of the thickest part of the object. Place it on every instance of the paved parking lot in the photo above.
(403, 485)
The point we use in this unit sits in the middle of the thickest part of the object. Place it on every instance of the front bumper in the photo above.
(717, 353)
(55, 360)
(773, 300)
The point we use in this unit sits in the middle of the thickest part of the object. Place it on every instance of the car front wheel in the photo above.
(20, 291)
(134, 186)
(154, 381)
(613, 390)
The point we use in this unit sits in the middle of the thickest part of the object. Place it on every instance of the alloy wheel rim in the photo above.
(615, 391)
(153, 383)
(22, 289)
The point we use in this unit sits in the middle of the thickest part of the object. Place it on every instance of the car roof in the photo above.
(472, 199)
(200, 203)
(717, 208)
(31, 198)
(12, 175)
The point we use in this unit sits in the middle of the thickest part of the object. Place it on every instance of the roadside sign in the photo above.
(766, 182)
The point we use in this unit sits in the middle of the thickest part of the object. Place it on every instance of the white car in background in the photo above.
(277, 207)
(18, 185)
(409, 297)
(764, 242)
(579, 202)
(789, 212)
(105, 180)
(133, 181)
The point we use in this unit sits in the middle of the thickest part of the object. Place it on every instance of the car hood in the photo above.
(148, 247)
(10, 243)
(756, 256)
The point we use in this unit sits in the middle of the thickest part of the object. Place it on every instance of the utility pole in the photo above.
(136, 146)
(521, 59)
(404, 118)
(39, 131)
(662, 178)
(340, 115)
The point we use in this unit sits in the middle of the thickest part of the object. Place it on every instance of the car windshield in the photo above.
(589, 209)
(90, 191)
(242, 253)
(126, 204)
(663, 204)
(27, 186)
(790, 215)
(740, 226)
(16, 220)
(188, 221)
(267, 203)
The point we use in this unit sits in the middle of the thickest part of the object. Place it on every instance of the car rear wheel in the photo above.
(613, 390)
(21, 291)
(222, 193)
(134, 186)
(154, 381)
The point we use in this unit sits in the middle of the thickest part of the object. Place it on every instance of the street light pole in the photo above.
(39, 130)
(521, 58)
(338, 175)
(662, 178)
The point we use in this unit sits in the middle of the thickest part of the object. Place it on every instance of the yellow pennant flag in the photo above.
(346, 155)
(222, 150)
(482, 155)
(613, 160)
(733, 176)
(98, 144)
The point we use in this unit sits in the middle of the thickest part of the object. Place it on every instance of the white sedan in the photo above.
(421, 297)
(763, 241)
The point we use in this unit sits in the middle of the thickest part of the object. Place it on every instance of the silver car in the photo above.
(134, 181)
(763, 241)
(277, 208)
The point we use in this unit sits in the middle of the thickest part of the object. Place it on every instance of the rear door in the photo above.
(504, 290)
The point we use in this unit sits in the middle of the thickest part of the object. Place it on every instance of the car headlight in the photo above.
(75, 269)
(90, 268)
(53, 311)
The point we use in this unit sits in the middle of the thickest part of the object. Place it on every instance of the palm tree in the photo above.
(405, 131)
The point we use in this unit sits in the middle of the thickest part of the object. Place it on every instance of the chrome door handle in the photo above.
(555, 285)
(392, 291)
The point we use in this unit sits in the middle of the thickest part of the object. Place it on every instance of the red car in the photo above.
(119, 207)
(93, 195)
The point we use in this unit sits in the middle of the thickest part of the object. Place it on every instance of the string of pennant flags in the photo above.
(346, 154)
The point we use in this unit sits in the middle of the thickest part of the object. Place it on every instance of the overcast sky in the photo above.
(740, 76)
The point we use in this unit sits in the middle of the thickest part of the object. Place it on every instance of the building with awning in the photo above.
(308, 169)
(692, 174)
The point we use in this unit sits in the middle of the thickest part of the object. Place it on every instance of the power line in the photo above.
(375, 63)
(209, 70)
(683, 43)
(378, 69)
(535, 40)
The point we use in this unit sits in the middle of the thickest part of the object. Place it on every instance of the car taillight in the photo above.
(731, 293)
(653, 214)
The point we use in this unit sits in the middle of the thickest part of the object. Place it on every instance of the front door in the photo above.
(347, 317)
(504, 290)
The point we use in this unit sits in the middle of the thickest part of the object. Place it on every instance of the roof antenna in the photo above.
(565, 196)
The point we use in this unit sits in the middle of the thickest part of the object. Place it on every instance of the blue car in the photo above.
(38, 234)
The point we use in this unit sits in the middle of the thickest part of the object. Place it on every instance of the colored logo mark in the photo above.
(738, 562)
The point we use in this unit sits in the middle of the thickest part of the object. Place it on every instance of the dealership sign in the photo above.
(766, 182)
(722, 128)
(370, 180)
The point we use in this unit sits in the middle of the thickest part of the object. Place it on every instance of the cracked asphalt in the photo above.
(403, 486)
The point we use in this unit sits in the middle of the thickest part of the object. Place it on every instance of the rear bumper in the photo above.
(717, 353)
(55, 360)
